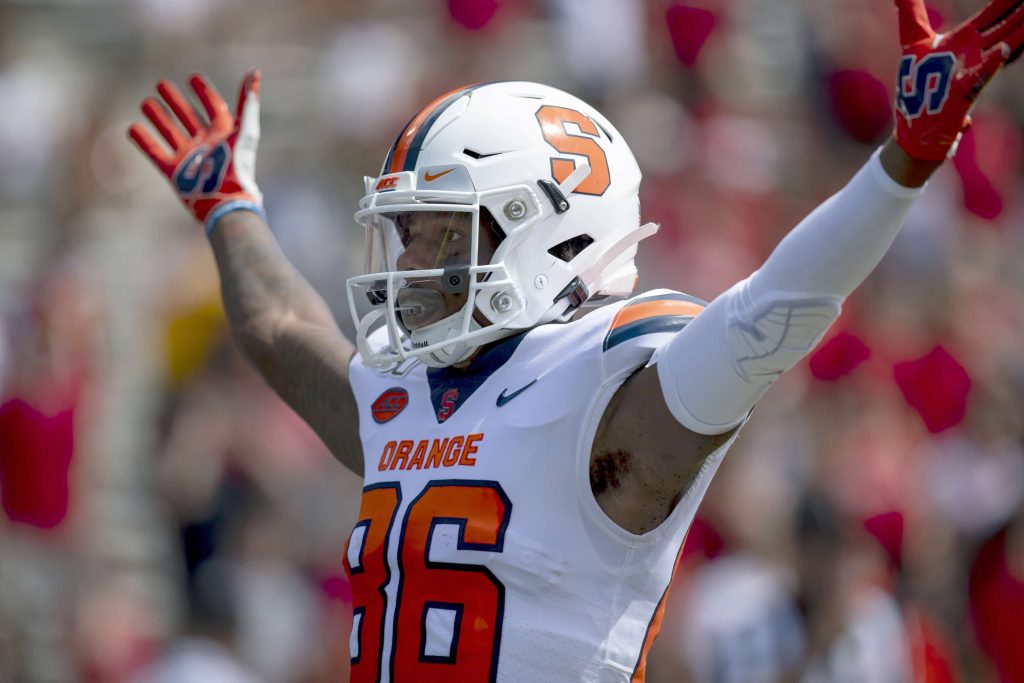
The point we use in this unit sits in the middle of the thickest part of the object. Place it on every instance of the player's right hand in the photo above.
(210, 165)
(941, 74)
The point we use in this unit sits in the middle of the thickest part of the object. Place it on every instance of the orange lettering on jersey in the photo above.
(389, 450)
(417, 457)
(437, 449)
(451, 456)
(402, 454)
(470, 449)
(430, 453)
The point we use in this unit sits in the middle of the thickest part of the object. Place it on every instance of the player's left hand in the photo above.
(941, 74)
(210, 165)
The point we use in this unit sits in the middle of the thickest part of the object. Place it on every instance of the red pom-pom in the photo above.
(860, 104)
(980, 195)
(936, 386)
(473, 14)
(336, 588)
(703, 542)
(838, 357)
(689, 29)
(937, 19)
(887, 529)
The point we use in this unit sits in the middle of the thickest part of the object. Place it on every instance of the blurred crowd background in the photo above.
(166, 519)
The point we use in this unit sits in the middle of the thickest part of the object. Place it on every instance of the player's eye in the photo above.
(404, 228)
(404, 235)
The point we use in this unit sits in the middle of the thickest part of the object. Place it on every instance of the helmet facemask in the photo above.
(430, 265)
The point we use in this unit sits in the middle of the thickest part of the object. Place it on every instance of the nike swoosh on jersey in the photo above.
(504, 398)
(431, 177)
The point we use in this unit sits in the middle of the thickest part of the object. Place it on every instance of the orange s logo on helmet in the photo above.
(552, 124)
(387, 183)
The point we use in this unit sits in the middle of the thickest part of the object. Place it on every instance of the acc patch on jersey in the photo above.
(389, 404)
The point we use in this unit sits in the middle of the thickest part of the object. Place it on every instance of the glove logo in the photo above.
(204, 167)
(924, 85)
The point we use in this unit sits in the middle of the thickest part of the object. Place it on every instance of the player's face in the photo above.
(433, 239)
(439, 240)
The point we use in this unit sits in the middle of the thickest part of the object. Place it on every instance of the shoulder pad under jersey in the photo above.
(654, 312)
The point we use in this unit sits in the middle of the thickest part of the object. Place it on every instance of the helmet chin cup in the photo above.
(366, 326)
(384, 357)
(448, 328)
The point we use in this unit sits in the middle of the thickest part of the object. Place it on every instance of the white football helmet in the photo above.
(500, 207)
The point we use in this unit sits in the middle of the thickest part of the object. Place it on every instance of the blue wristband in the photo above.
(228, 207)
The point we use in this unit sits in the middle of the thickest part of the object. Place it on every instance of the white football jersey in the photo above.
(480, 553)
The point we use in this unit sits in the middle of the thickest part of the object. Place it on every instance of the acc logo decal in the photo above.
(389, 404)
(924, 84)
(385, 184)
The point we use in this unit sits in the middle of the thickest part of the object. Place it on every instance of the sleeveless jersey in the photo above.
(480, 553)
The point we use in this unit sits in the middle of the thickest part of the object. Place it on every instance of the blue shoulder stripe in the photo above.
(665, 323)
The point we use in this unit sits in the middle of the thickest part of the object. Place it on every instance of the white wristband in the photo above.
(227, 207)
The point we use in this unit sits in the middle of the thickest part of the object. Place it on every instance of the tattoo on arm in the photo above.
(285, 329)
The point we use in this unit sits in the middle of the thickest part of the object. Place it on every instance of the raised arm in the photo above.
(764, 325)
(280, 323)
(710, 375)
(285, 329)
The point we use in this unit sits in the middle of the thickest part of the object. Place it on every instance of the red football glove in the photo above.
(212, 167)
(942, 74)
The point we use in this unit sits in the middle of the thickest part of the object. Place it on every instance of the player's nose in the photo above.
(416, 256)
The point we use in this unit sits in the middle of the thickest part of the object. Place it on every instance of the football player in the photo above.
(530, 473)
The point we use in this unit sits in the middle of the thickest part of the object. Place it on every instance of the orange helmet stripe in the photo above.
(399, 154)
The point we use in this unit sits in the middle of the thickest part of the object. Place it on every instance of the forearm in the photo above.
(835, 247)
(717, 367)
(286, 330)
(261, 289)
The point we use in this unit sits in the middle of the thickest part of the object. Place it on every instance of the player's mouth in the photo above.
(421, 305)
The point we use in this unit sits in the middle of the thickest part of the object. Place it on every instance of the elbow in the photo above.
(255, 340)
(717, 368)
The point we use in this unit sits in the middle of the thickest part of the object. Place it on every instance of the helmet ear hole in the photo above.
(571, 248)
(491, 233)
(488, 220)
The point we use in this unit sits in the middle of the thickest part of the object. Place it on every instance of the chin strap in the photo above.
(624, 240)
(573, 180)
(578, 293)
